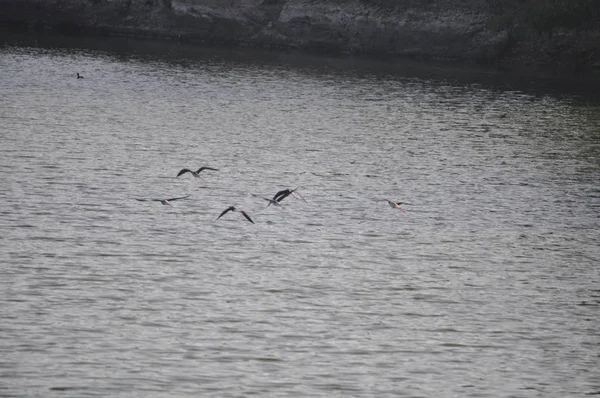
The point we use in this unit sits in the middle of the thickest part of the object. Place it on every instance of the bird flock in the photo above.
(275, 200)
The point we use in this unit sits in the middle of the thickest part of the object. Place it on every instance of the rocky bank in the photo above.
(562, 35)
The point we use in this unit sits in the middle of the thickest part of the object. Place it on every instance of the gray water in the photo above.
(488, 285)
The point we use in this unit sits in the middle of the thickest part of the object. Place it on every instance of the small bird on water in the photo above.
(233, 208)
(79, 76)
(195, 173)
(166, 202)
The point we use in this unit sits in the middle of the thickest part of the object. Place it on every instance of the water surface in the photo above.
(487, 286)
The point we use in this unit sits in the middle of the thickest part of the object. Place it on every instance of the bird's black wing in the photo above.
(279, 196)
(279, 193)
(247, 216)
(150, 200)
(206, 168)
(230, 208)
(183, 171)
(180, 197)
(271, 201)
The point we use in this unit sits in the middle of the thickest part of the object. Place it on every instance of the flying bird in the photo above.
(166, 202)
(79, 76)
(195, 173)
(396, 205)
(279, 196)
(271, 201)
(233, 208)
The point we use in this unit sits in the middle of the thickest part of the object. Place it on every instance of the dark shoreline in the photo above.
(563, 55)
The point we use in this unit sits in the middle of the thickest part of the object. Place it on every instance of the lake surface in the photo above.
(488, 285)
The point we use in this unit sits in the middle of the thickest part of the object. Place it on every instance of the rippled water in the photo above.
(487, 286)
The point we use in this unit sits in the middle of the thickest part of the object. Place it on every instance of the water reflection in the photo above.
(194, 56)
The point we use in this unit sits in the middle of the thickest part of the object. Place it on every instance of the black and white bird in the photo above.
(279, 196)
(396, 205)
(166, 202)
(79, 76)
(271, 201)
(195, 173)
(233, 208)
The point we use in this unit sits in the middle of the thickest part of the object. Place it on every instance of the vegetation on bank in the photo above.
(542, 16)
(547, 16)
(563, 33)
